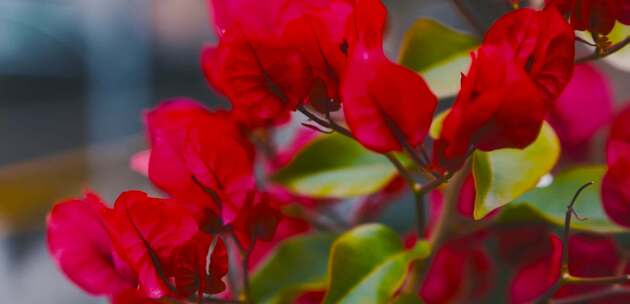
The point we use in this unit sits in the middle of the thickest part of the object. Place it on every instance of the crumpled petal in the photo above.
(523, 65)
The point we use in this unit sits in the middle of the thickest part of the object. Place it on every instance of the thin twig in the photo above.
(597, 281)
(609, 51)
(564, 268)
(322, 122)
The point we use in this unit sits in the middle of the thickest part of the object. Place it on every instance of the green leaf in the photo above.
(551, 202)
(296, 265)
(437, 52)
(368, 264)
(503, 175)
(338, 167)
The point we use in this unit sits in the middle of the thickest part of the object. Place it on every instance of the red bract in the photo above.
(201, 158)
(534, 277)
(616, 192)
(257, 221)
(456, 264)
(590, 256)
(79, 243)
(145, 232)
(192, 272)
(524, 64)
(584, 107)
(273, 56)
(616, 183)
(383, 102)
(521, 244)
(618, 145)
(597, 16)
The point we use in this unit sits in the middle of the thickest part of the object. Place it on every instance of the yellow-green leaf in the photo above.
(296, 265)
(336, 166)
(368, 264)
(437, 52)
(504, 175)
(550, 202)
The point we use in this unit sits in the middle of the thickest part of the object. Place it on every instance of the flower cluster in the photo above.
(325, 59)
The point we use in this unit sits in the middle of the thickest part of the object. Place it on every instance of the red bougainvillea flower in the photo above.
(258, 220)
(597, 16)
(78, 242)
(274, 55)
(191, 269)
(520, 244)
(616, 192)
(458, 263)
(523, 65)
(534, 277)
(618, 145)
(584, 107)
(590, 256)
(146, 232)
(539, 263)
(201, 158)
(383, 102)
(616, 183)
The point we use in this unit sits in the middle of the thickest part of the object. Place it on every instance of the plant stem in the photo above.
(609, 51)
(597, 281)
(448, 214)
(247, 293)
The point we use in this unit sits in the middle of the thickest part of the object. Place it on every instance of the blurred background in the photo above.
(75, 77)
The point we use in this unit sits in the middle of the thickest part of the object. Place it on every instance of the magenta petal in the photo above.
(584, 107)
(616, 192)
(78, 242)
